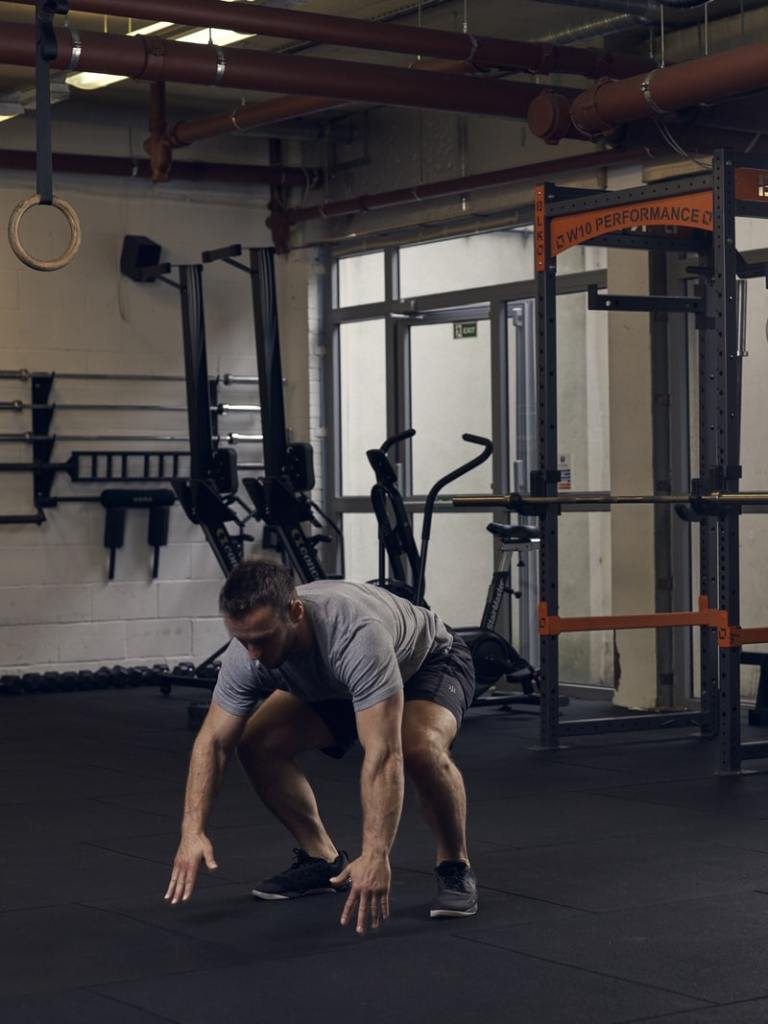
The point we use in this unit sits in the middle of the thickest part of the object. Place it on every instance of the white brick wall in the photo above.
(57, 608)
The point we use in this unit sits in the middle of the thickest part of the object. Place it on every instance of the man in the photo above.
(343, 661)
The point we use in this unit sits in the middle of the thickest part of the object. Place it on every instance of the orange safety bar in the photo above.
(553, 625)
(714, 618)
(735, 636)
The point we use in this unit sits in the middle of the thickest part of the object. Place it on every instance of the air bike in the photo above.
(493, 656)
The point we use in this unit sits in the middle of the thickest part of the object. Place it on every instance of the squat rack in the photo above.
(695, 214)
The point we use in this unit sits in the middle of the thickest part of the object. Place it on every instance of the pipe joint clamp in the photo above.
(645, 89)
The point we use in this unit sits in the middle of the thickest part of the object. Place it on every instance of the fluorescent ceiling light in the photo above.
(9, 110)
(216, 36)
(92, 80)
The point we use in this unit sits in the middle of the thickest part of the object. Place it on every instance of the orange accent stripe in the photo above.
(541, 238)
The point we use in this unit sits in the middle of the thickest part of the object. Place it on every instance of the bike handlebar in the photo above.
(396, 439)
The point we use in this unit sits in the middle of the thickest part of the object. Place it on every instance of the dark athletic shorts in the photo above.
(447, 679)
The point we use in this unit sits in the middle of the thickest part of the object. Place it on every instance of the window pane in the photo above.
(455, 263)
(363, 412)
(361, 550)
(459, 565)
(361, 279)
(450, 396)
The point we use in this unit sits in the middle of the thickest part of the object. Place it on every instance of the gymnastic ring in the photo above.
(15, 239)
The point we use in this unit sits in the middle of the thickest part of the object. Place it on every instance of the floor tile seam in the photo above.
(151, 1015)
(112, 801)
(608, 790)
(679, 1013)
(122, 853)
(216, 944)
(733, 846)
(565, 788)
(707, 1003)
(640, 834)
(44, 906)
(666, 903)
(609, 769)
(81, 800)
(247, 957)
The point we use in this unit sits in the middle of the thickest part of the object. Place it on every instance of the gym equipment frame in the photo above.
(697, 214)
(281, 497)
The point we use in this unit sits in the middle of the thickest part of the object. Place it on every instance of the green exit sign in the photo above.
(466, 329)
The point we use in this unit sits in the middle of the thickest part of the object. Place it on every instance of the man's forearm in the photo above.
(381, 785)
(206, 771)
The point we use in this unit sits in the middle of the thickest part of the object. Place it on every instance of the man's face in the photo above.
(267, 635)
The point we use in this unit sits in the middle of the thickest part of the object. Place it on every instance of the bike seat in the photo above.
(514, 534)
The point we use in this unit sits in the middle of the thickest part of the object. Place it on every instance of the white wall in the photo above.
(57, 609)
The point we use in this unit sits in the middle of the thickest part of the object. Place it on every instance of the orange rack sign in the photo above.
(672, 212)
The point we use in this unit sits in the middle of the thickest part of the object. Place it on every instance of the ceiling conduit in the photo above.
(462, 186)
(481, 51)
(152, 59)
(606, 105)
(251, 115)
(128, 167)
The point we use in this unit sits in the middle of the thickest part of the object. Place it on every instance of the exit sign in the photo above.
(466, 329)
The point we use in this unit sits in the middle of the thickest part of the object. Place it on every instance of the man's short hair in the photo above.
(254, 583)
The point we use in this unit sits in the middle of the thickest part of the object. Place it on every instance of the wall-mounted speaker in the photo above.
(138, 253)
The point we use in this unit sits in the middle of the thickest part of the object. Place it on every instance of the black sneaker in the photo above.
(456, 890)
(305, 877)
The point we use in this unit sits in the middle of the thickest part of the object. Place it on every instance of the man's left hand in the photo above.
(369, 877)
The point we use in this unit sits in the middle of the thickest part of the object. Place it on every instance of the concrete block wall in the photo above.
(58, 610)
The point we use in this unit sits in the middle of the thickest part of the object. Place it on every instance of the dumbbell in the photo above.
(10, 686)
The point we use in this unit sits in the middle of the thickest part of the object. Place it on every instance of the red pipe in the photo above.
(459, 186)
(156, 59)
(74, 163)
(605, 105)
(251, 115)
(482, 51)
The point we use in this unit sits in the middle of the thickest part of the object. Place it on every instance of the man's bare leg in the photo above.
(428, 731)
(281, 728)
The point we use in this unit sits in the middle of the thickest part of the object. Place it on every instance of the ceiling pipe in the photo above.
(258, 115)
(482, 51)
(606, 105)
(462, 186)
(251, 115)
(128, 167)
(641, 145)
(153, 59)
(642, 12)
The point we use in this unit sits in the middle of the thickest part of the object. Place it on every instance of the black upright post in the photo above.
(545, 480)
(708, 574)
(196, 365)
(662, 476)
(728, 432)
(262, 263)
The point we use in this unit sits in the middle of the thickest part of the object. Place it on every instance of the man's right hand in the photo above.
(192, 849)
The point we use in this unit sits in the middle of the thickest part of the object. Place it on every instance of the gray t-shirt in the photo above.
(367, 643)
